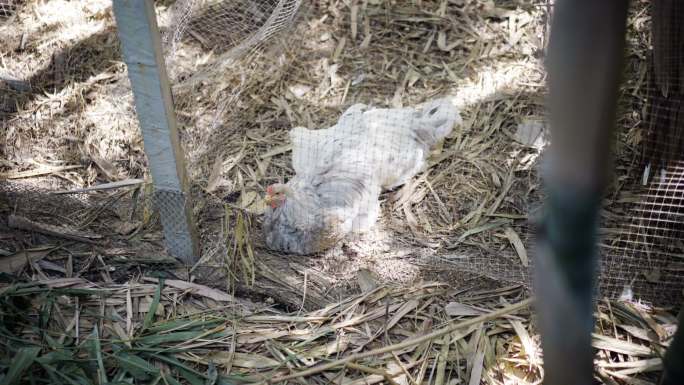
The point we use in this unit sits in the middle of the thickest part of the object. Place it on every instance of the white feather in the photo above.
(341, 171)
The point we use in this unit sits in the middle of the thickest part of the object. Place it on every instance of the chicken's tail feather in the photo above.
(306, 148)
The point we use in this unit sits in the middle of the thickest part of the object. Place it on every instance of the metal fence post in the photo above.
(142, 52)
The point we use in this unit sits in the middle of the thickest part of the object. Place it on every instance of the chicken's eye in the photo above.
(433, 111)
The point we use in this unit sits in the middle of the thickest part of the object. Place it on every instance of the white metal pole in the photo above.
(142, 52)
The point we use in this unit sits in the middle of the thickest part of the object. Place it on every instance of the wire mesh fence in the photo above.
(8, 9)
(223, 26)
(325, 105)
(643, 251)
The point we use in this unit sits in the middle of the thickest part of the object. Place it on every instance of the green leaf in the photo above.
(157, 339)
(55, 357)
(79, 292)
(178, 364)
(212, 374)
(55, 375)
(191, 377)
(23, 359)
(149, 317)
(184, 325)
(51, 374)
(96, 353)
(120, 376)
(45, 314)
(136, 366)
(170, 379)
(173, 325)
(52, 343)
(78, 377)
(223, 380)
(230, 380)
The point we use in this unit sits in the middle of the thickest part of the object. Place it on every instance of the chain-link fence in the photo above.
(8, 9)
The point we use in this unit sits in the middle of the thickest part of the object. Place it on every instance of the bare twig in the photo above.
(22, 223)
(37, 172)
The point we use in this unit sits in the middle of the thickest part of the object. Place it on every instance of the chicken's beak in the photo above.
(274, 198)
(269, 200)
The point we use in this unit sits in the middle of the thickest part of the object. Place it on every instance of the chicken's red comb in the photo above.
(269, 190)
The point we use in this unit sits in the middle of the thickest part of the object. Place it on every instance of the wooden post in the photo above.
(142, 52)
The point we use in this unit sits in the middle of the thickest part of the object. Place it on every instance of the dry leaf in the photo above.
(333, 347)
(215, 176)
(455, 309)
(103, 186)
(22, 223)
(125, 228)
(339, 49)
(394, 368)
(478, 365)
(242, 360)
(246, 198)
(258, 207)
(299, 90)
(528, 345)
(200, 290)
(640, 333)
(354, 20)
(517, 243)
(442, 43)
(42, 170)
(107, 168)
(277, 151)
(618, 346)
(261, 336)
(403, 310)
(145, 304)
(531, 133)
(253, 203)
(366, 280)
(15, 262)
(411, 219)
(67, 282)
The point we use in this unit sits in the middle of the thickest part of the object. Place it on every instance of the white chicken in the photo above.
(341, 171)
